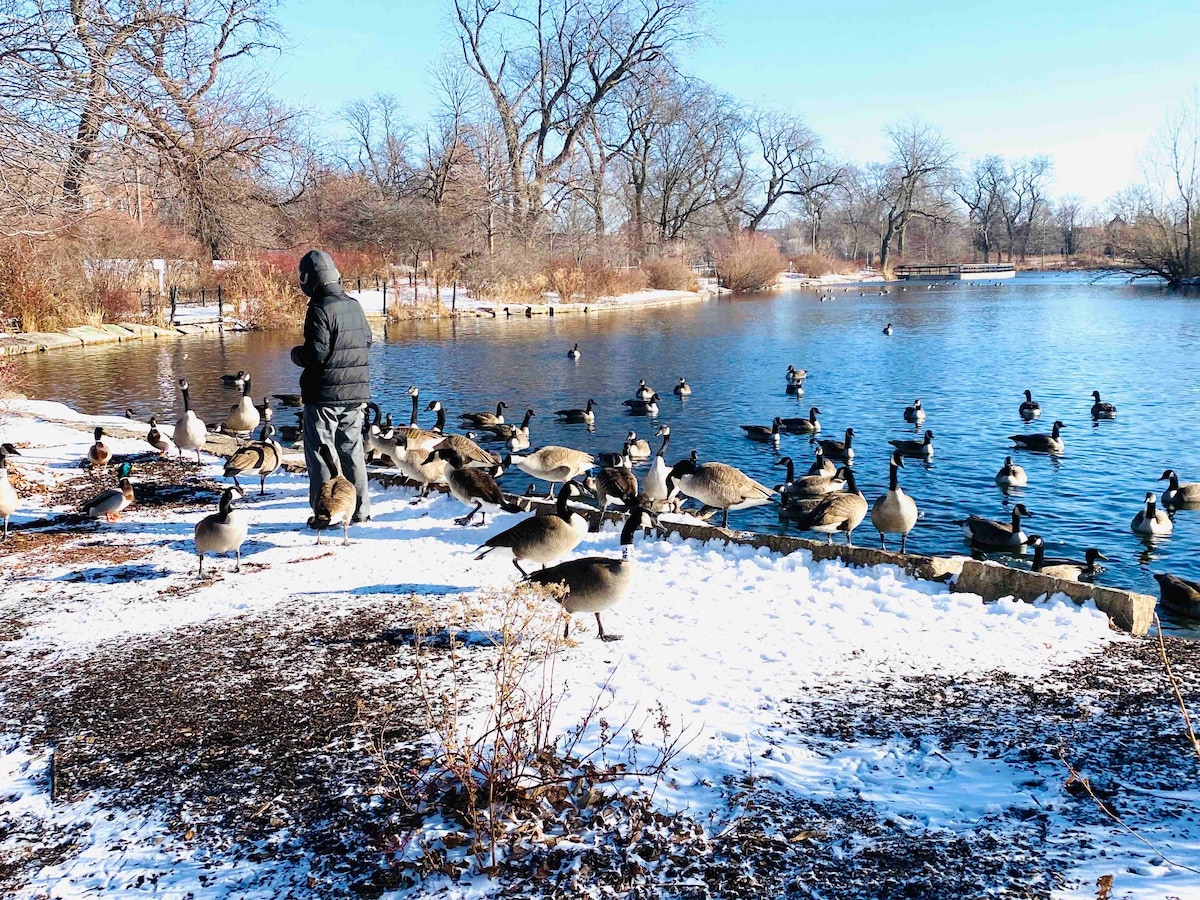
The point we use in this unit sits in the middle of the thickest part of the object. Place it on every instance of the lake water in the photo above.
(967, 350)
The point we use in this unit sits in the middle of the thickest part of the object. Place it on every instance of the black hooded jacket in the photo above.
(337, 340)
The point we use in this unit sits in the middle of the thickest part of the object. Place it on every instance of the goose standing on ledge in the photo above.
(764, 434)
(1066, 569)
(243, 416)
(654, 483)
(553, 464)
(596, 583)
(1045, 443)
(587, 415)
(922, 449)
(539, 538)
(573, 353)
(1152, 520)
(1177, 494)
(1102, 410)
(683, 389)
(1011, 475)
(8, 493)
(190, 430)
(895, 512)
(223, 531)
(617, 481)
(915, 414)
(803, 426)
(1030, 409)
(98, 454)
(718, 485)
(842, 450)
(981, 532)
(839, 511)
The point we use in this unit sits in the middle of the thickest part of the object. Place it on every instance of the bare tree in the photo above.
(983, 190)
(1024, 201)
(912, 185)
(788, 163)
(379, 144)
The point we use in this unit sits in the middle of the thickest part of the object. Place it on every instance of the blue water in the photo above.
(967, 350)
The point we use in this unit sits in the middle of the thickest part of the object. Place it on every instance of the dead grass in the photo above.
(749, 262)
(669, 273)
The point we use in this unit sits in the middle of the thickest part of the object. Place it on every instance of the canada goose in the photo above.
(1047, 443)
(472, 455)
(574, 354)
(553, 464)
(1177, 494)
(157, 439)
(796, 376)
(190, 431)
(887, 329)
(981, 532)
(504, 432)
(484, 419)
(895, 512)
(621, 458)
(98, 454)
(417, 440)
(614, 481)
(922, 449)
(234, 380)
(1066, 569)
(8, 493)
(718, 485)
(840, 511)
(683, 389)
(1030, 409)
(803, 426)
(764, 434)
(243, 416)
(260, 458)
(411, 461)
(336, 501)
(639, 448)
(1179, 594)
(915, 413)
(838, 450)
(374, 448)
(1152, 520)
(471, 486)
(821, 465)
(109, 503)
(596, 583)
(288, 399)
(647, 407)
(586, 415)
(644, 391)
(809, 485)
(223, 531)
(1011, 475)
(654, 482)
(542, 539)
(1102, 410)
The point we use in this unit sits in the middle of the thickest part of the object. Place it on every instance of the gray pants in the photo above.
(340, 428)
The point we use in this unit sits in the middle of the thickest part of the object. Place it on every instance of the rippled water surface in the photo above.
(967, 350)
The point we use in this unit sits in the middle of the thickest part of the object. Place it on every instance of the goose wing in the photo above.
(988, 531)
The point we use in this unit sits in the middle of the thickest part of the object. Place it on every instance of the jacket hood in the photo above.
(317, 271)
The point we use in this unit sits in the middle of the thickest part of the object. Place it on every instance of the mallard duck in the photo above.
(1177, 494)
(840, 511)
(243, 416)
(98, 454)
(1152, 520)
(803, 426)
(1030, 409)
(1066, 569)
(110, 503)
(1102, 410)
(922, 449)
(718, 485)
(981, 532)
(1011, 475)
(915, 413)
(157, 439)
(683, 389)
(895, 512)
(190, 431)
(8, 493)
(585, 416)
(596, 583)
(1046, 443)
(540, 538)
(260, 458)
(223, 531)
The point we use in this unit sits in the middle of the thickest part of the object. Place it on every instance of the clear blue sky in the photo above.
(1085, 82)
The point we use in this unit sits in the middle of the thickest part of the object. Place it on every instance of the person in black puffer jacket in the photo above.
(336, 382)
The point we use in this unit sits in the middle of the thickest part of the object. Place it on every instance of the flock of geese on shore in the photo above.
(824, 499)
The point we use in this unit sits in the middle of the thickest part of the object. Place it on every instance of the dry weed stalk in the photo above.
(1162, 654)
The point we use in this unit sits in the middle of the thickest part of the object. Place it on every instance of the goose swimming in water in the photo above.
(574, 353)
(764, 434)
(1152, 520)
(639, 448)
(887, 329)
(981, 532)
(648, 407)
(895, 512)
(484, 419)
(809, 425)
(915, 413)
(1029, 408)
(644, 391)
(1011, 475)
(1046, 443)
(1179, 594)
(796, 376)
(234, 380)
(821, 465)
(587, 415)
(541, 538)
(922, 449)
(1102, 410)
(1177, 494)
(808, 485)
(683, 389)
(1066, 569)
(838, 450)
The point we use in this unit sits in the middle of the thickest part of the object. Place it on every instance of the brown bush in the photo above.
(263, 295)
(669, 273)
(566, 281)
(817, 264)
(749, 262)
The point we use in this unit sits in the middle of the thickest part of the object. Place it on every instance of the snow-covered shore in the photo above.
(805, 689)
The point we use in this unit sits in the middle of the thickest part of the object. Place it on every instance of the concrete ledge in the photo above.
(120, 333)
(199, 328)
(137, 329)
(16, 347)
(50, 340)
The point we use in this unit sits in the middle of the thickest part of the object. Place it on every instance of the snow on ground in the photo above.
(372, 300)
(726, 638)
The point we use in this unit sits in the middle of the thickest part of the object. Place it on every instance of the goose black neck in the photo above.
(528, 416)
(1016, 520)
(631, 525)
(791, 470)
(226, 504)
(850, 485)
(1039, 556)
(561, 504)
(246, 387)
(413, 418)
(894, 477)
(187, 403)
(849, 439)
(441, 420)
(1174, 482)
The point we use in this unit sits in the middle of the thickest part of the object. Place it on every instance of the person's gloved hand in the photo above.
(298, 355)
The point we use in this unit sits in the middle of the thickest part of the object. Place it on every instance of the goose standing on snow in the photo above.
(1011, 475)
(895, 512)
(1102, 410)
(471, 486)
(553, 464)
(576, 416)
(654, 483)
(1066, 569)
(842, 450)
(1177, 494)
(98, 454)
(803, 426)
(1045, 443)
(718, 485)
(111, 503)
(615, 481)
(157, 439)
(915, 413)
(840, 511)
(764, 434)
(484, 419)
(683, 389)
(981, 532)
(243, 416)
(8, 493)
(1030, 409)
(573, 353)
(190, 430)
(596, 583)
(540, 538)
(922, 449)
(1152, 520)
(260, 458)
(223, 531)
(337, 500)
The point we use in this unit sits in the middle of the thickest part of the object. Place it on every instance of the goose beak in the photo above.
(1102, 556)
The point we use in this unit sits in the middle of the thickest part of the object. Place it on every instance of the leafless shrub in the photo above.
(749, 262)
(263, 295)
(669, 273)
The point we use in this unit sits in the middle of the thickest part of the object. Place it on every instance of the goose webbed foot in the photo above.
(517, 563)
(605, 636)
